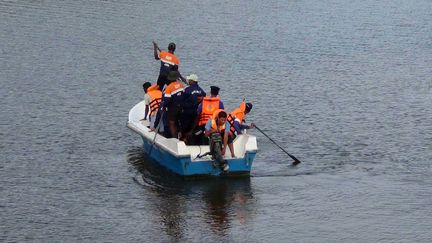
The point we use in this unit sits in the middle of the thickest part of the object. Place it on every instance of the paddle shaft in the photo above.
(156, 132)
(296, 161)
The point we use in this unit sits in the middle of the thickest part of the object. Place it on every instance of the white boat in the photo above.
(184, 159)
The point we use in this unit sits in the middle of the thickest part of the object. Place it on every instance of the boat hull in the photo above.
(186, 166)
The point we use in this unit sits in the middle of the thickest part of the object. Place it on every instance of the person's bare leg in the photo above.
(231, 148)
(173, 129)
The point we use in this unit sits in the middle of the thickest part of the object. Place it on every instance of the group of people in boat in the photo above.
(178, 107)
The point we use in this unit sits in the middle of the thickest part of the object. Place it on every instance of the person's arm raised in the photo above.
(155, 50)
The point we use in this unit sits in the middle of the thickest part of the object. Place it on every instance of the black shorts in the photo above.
(230, 137)
(162, 80)
(174, 113)
(187, 120)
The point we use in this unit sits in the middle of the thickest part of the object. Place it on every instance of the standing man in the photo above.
(168, 61)
(209, 105)
(171, 103)
(193, 95)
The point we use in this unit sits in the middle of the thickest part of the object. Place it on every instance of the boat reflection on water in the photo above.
(218, 201)
(227, 200)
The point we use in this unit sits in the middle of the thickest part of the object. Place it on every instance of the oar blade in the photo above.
(296, 161)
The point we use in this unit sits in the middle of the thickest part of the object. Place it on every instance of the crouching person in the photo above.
(237, 119)
(218, 123)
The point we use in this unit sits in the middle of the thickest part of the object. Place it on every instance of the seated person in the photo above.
(218, 123)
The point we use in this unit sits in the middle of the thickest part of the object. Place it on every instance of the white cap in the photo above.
(192, 77)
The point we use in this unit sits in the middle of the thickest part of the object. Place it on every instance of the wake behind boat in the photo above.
(186, 160)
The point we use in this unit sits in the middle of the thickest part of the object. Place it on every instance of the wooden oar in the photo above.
(296, 161)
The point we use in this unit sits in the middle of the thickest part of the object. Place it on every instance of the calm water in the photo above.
(345, 86)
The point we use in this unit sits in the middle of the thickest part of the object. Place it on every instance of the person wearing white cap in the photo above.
(193, 96)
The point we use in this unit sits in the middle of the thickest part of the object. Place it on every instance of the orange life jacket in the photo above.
(169, 58)
(209, 105)
(216, 113)
(215, 126)
(173, 88)
(237, 114)
(214, 123)
(156, 98)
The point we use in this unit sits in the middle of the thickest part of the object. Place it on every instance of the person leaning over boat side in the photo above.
(168, 61)
(218, 123)
(171, 103)
(153, 99)
(237, 118)
(193, 96)
(205, 110)
(146, 85)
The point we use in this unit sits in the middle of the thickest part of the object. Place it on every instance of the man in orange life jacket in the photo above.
(171, 103)
(205, 110)
(218, 123)
(237, 118)
(168, 61)
(152, 98)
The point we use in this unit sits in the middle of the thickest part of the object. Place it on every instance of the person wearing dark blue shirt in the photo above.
(192, 97)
